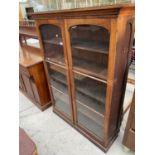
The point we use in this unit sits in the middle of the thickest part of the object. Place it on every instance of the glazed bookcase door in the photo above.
(57, 68)
(89, 47)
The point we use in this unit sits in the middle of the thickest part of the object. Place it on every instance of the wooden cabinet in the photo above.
(32, 80)
(129, 135)
(86, 54)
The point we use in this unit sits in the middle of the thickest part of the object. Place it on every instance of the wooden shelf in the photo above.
(90, 68)
(51, 63)
(57, 60)
(86, 101)
(56, 41)
(60, 78)
(87, 109)
(91, 125)
(60, 91)
(28, 32)
(83, 66)
(91, 90)
(55, 56)
(60, 87)
(90, 103)
(61, 101)
(98, 118)
(91, 46)
(57, 69)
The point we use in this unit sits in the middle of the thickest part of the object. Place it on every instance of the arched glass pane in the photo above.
(52, 43)
(90, 46)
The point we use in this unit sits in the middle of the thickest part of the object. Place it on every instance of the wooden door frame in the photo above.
(105, 23)
(60, 24)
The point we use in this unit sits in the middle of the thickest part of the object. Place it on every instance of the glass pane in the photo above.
(61, 101)
(90, 100)
(58, 77)
(90, 46)
(59, 87)
(52, 42)
(90, 124)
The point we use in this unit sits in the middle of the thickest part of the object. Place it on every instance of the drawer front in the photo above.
(24, 70)
(35, 91)
(28, 87)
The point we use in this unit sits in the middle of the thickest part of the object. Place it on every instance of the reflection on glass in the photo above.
(28, 41)
(90, 46)
(52, 42)
(32, 42)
